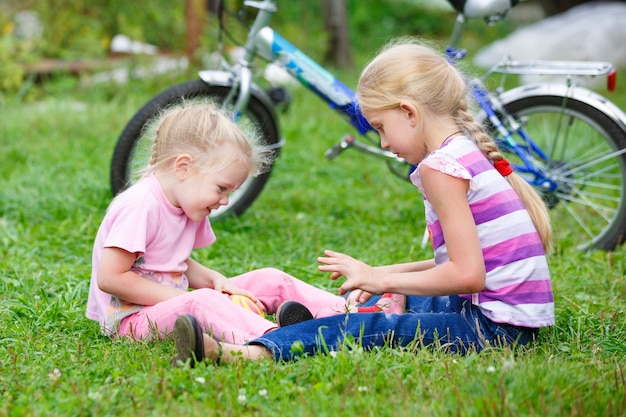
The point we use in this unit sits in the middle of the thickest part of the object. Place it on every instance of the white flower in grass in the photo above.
(95, 395)
(508, 364)
(55, 375)
(332, 354)
(362, 389)
(200, 380)
(241, 398)
(491, 369)
(357, 351)
(263, 392)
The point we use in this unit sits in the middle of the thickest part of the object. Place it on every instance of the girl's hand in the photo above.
(358, 274)
(202, 277)
(358, 297)
(227, 287)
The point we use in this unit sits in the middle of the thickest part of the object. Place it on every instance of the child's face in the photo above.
(398, 133)
(202, 192)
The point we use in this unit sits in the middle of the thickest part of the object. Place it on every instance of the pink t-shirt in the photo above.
(141, 220)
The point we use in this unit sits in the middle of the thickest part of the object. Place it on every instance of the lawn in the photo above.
(54, 191)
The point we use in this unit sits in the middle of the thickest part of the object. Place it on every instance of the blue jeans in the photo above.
(450, 322)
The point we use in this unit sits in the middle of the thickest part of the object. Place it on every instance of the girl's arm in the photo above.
(407, 267)
(116, 278)
(464, 273)
(360, 296)
(389, 269)
(200, 276)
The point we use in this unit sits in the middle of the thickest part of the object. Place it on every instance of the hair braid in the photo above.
(535, 206)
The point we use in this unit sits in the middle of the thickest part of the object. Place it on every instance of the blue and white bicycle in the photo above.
(566, 140)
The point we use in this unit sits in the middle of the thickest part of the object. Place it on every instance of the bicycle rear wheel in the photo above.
(132, 151)
(584, 156)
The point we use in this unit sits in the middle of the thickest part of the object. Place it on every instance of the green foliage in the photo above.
(83, 29)
(11, 73)
(372, 26)
(13, 52)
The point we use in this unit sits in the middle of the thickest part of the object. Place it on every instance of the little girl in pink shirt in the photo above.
(142, 268)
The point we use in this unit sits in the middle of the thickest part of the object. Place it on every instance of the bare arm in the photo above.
(465, 271)
(200, 276)
(407, 267)
(116, 278)
(360, 296)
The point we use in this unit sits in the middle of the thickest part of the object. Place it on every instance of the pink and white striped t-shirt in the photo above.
(518, 290)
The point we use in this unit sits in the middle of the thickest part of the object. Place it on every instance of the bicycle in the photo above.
(567, 141)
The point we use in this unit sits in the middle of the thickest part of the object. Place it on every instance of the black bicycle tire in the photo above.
(613, 235)
(265, 124)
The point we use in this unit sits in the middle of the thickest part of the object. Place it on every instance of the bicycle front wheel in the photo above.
(132, 151)
(581, 150)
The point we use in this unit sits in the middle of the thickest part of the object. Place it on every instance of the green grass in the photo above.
(54, 191)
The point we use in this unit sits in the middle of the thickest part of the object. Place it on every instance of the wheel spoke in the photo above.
(591, 161)
(584, 155)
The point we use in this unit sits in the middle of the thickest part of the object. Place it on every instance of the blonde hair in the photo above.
(209, 135)
(409, 71)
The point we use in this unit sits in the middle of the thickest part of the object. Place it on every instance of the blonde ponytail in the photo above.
(533, 202)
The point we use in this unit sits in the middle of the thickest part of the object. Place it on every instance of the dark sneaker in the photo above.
(292, 312)
(189, 341)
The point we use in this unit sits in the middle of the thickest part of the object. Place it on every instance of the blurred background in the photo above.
(61, 45)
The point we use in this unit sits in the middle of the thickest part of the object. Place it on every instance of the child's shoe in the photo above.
(292, 312)
(189, 341)
(389, 303)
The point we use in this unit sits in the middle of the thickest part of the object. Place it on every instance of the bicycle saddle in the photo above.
(482, 8)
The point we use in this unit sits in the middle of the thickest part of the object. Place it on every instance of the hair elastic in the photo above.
(503, 167)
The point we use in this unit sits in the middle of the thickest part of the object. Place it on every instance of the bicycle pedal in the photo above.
(336, 150)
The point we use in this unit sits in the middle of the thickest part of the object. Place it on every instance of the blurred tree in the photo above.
(338, 52)
(195, 18)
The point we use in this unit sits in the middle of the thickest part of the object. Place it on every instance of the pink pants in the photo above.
(224, 319)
